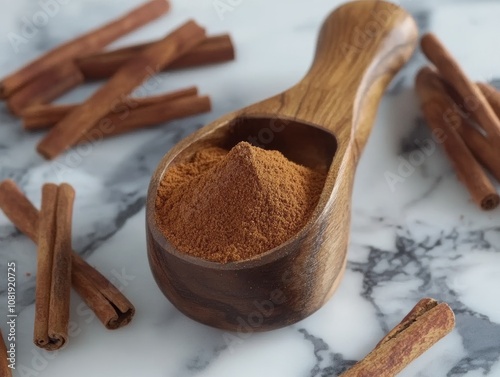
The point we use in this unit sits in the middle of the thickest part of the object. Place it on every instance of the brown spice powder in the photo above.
(230, 206)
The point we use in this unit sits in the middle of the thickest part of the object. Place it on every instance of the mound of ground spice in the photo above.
(229, 206)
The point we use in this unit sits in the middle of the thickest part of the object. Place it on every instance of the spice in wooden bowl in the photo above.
(230, 206)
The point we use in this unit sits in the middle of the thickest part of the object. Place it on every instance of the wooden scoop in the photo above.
(322, 122)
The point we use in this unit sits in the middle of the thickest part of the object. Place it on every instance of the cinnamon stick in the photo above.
(5, 371)
(46, 87)
(148, 116)
(45, 116)
(90, 42)
(423, 306)
(492, 95)
(482, 149)
(102, 65)
(423, 327)
(112, 308)
(451, 71)
(154, 58)
(54, 267)
(46, 237)
(486, 151)
(60, 287)
(435, 102)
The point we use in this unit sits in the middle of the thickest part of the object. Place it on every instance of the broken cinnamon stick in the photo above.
(46, 87)
(54, 267)
(102, 65)
(154, 58)
(423, 327)
(147, 116)
(85, 44)
(5, 371)
(45, 116)
(434, 103)
(451, 71)
(112, 308)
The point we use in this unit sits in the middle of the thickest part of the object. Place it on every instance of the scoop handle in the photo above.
(361, 46)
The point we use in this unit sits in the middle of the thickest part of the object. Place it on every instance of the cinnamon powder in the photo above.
(229, 206)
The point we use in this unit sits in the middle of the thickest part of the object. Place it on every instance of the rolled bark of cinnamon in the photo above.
(54, 267)
(92, 41)
(423, 306)
(102, 65)
(426, 324)
(46, 116)
(453, 74)
(112, 308)
(5, 371)
(435, 102)
(150, 61)
(492, 95)
(482, 149)
(46, 237)
(148, 116)
(486, 151)
(46, 87)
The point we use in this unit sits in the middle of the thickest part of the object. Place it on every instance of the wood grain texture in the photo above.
(322, 122)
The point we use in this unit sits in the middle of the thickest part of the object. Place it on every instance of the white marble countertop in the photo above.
(422, 238)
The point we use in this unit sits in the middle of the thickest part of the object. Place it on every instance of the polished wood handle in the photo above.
(361, 46)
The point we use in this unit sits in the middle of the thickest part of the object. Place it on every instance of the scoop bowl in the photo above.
(322, 122)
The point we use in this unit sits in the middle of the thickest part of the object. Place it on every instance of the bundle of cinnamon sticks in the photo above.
(59, 267)
(30, 90)
(53, 277)
(465, 118)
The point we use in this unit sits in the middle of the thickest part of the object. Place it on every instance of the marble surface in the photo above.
(420, 237)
